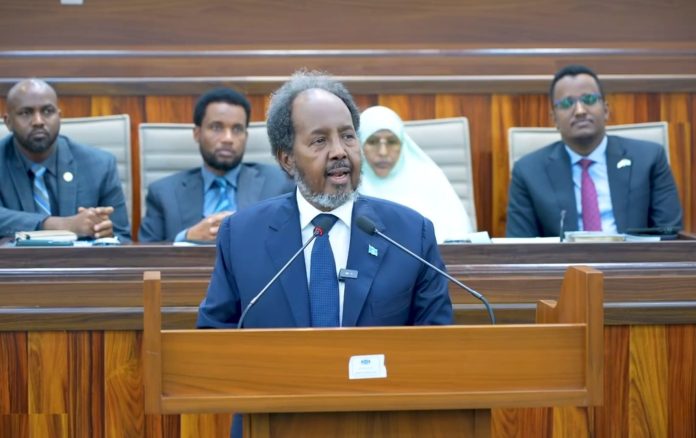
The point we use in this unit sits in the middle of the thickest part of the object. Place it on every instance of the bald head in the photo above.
(33, 117)
(23, 87)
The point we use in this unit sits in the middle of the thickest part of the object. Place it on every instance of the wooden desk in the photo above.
(70, 338)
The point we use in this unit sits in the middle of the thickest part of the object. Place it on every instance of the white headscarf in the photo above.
(415, 180)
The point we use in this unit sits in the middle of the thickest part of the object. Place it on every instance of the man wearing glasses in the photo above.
(589, 181)
(190, 205)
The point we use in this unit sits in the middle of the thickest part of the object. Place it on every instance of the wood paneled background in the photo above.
(490, 116)
(488, 61)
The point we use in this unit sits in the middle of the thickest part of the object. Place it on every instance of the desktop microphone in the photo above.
(323, 223)
(365, 224)
(563, 213)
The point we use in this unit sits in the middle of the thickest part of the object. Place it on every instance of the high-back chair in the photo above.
(166, 148)
(108, 133)
(522, 141)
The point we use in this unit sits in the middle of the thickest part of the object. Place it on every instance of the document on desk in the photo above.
(523, 240)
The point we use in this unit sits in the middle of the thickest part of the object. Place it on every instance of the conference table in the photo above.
(71, 332)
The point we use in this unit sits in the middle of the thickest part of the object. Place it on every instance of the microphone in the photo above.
(322, 224)
(563, 213)
(365, 224)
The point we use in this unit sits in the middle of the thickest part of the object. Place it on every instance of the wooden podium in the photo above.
(441, 381)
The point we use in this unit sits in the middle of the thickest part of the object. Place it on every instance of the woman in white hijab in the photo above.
(395, 168)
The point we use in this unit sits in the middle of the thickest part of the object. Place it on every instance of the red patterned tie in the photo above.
(590, 207)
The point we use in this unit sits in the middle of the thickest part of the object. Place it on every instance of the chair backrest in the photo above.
(166, 148)
(522, 141)
(446, 141)
(108, 133)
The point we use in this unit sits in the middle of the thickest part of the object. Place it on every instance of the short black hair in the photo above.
(574, 70)
(226, 95)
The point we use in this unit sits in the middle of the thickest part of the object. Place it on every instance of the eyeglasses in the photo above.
(569, 102)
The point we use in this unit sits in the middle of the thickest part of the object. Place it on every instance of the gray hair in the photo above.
(281, 131)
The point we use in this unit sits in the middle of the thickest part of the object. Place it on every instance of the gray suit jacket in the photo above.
(95, 183)
(175, 202)
(643, 194)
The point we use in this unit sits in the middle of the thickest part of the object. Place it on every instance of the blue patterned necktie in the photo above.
(323, 283)
(223, 198)
(41, 199)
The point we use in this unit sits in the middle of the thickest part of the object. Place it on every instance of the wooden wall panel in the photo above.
(611, 420)
(48, 373)
(681, 351)
(14, 398)
(123, 393)
(162, 23)
(490, 116)
(648, 373)
(649, 389)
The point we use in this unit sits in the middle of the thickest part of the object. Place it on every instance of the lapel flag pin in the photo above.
(623, 163)
(372, 250)
(68, 176)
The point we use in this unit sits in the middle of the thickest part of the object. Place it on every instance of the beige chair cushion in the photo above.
(522, 141)
(166, 148)
(108, 133)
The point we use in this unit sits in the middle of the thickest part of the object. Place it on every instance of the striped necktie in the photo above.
(41, 199)
(223, 196)
(323, 282)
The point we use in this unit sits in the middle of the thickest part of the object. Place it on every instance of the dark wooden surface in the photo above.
(176, 47)
(70, 340)
(168, 256)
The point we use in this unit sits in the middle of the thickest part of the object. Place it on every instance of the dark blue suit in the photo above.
(643, 194)
(175, 202)
(392, 288)
(95, 183)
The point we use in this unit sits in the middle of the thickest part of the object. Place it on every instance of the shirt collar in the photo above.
(231, 177)
(49, 163)
(344, 213)
(599, 155)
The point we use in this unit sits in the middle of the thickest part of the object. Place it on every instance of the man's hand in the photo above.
(207, 229)
(88, 222)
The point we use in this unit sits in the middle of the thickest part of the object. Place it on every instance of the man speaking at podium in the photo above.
(346, 277)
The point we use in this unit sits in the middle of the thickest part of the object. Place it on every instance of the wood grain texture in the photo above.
(14, 397)
(648, 373)
(48, 373)
(681, 351)
(123, 393)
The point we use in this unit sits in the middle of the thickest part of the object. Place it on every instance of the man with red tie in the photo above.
(589, 181)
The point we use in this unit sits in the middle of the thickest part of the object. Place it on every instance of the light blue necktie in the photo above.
(41, 199)
(223, 196)
(323, 283)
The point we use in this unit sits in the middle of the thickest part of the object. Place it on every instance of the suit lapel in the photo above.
(284, 239)
(619, 181)
(561, 181)
(249, 185)
(189, 199)
(20, 179)
(67, 190)
(363, 258)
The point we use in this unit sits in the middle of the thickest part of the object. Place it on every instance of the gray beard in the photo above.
(329, 202)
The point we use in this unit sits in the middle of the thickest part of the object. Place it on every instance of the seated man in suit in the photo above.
(589, 181)
(312, 126)
(50, 182)
(189, 205)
